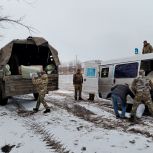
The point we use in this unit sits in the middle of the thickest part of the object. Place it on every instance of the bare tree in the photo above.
(19, 21)
(16, 21)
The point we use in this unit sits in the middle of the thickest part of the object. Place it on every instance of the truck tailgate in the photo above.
(16, 85)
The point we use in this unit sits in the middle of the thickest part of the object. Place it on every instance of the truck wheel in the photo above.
(3, 101)
(36, 95)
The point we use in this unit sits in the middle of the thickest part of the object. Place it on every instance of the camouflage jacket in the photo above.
(147, 49)
(141, 84)
(40, 83)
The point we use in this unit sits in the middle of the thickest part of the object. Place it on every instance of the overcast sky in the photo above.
(88, 29)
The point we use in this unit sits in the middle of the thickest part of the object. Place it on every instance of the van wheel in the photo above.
(36, 95)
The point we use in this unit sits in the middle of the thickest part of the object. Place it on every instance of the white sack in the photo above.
(27, 71)
(140, 110)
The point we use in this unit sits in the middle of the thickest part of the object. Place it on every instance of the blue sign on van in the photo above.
(91, 72)
(136, 51)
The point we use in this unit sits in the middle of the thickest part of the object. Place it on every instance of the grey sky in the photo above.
(90, 29)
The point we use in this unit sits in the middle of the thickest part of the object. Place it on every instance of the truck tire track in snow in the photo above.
(47, 137)
(105, 122)
(100, 121)
(88, 115)
(38, 128)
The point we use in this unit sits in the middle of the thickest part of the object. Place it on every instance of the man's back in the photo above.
(77, 78)
(122, 91)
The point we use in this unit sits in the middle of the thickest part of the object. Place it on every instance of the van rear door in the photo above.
(90, 82)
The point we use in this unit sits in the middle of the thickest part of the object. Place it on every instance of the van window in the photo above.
(104, 72)
(91, 72)
(126, 70)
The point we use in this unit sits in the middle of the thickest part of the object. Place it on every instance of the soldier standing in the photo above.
(141, 86)
(40, 83)
(77, 82)
(147, 48)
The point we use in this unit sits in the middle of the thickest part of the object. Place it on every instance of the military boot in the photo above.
(47, 110)
(35, 110)
(118, 116)
(80, 98)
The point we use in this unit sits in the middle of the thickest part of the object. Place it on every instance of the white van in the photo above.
(100, 76)
(123, 71)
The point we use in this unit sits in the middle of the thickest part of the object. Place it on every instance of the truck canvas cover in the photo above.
(6, 51)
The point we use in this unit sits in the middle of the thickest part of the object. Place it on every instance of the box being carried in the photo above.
(28, 71)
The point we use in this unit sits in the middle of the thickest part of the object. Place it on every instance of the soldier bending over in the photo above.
(141, 86)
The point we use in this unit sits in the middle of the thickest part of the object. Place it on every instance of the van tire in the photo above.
(36, 95)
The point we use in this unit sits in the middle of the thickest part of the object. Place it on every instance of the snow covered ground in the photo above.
(70, 127)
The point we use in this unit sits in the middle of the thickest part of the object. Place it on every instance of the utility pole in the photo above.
(76, 62)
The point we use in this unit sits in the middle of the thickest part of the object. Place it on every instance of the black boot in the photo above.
(91, 97)
(35, 110)
(47, 110)
(118, 116)
(80, 98)
(75, 98)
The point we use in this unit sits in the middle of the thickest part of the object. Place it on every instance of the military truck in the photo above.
(27, 52)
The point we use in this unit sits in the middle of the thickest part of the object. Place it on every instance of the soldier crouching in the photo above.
(40, 82)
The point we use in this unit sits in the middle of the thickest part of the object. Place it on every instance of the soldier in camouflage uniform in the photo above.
(40, 83)
(147, 48)
(141, 86)
(77, 82)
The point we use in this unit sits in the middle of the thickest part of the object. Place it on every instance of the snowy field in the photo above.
(70, 127)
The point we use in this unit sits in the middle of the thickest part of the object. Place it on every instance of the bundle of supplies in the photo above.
(28, 71)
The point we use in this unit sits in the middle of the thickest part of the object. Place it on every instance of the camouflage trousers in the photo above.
(78, 90)
(41, 99)
(146, 99)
